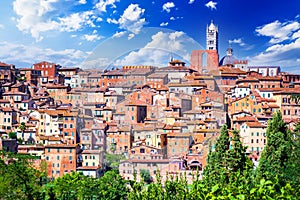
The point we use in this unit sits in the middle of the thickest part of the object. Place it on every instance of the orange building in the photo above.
(62, 159)
(178, 144)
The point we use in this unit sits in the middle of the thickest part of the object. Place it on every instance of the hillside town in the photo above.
(159, 118)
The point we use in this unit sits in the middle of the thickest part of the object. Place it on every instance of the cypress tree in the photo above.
(237, 158)
(277, 152)
(215, 170)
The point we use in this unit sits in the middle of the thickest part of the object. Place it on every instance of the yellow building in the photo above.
(253, 135)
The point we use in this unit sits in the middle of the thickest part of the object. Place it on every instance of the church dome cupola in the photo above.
(229, 59)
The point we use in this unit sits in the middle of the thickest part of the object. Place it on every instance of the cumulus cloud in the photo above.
(33, 18)
(131, 19)
(164, 24)
(119, 34)
(278, 31)
(211, 5)
(28, 55)
(167, 6)
(76, 21)
(82, 2)
(238, 41)
(102, 4)
(130, 36)
(92, 37)
(191, 1)
(157, 51)
(111, 21)
(285, 45)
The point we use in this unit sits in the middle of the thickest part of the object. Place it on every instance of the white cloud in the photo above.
(1, 26)
(92, 37)
(76, 21)
(191, 1)
(28, 55)
(278, 31)
(102, 4)
(172, 18)
(238, 41)
(131, 19)
(296, 35)
(157, 51)
(167, 6)
(279, 54)
(130, 36)
(119, 34)
(211, 5)
(82, 2)
(111, 21)
(34, 18)
(99, 19)
(164, 24)
(95, 63)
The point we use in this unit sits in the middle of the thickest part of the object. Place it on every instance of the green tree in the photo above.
(216, 168)
(22, 127)
(277, 152)
(12, 135)
(112, 186)
(145, 174)
(18, 179)
(113, 160)
(237, 159)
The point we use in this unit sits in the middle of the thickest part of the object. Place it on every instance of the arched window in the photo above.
(204, 62)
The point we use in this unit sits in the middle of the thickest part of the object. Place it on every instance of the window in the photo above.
(70, 158)
(251, 140)
(58, 157)
(252, 134)
(257, 141)
(57, 150)
(47, 158)
(71, 125)
(257, 134)
(48, 150)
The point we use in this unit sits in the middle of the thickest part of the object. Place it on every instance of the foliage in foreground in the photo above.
(229, 175)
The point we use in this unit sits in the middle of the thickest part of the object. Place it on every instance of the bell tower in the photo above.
(212, 37)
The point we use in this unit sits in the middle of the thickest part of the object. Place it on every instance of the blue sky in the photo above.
(101, 33)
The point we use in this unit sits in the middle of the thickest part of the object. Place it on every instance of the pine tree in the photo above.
(277, 152)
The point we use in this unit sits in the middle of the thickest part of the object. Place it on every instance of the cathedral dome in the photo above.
(229, 59)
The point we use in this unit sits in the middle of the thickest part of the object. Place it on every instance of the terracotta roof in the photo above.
(4, 64)
(255, 125)
(136, 102)
(88, 168)
(288, 91)
(146, 161)
(61, 146)
(124, 129)
(86, 151)
(157, 75)
(245, 119)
